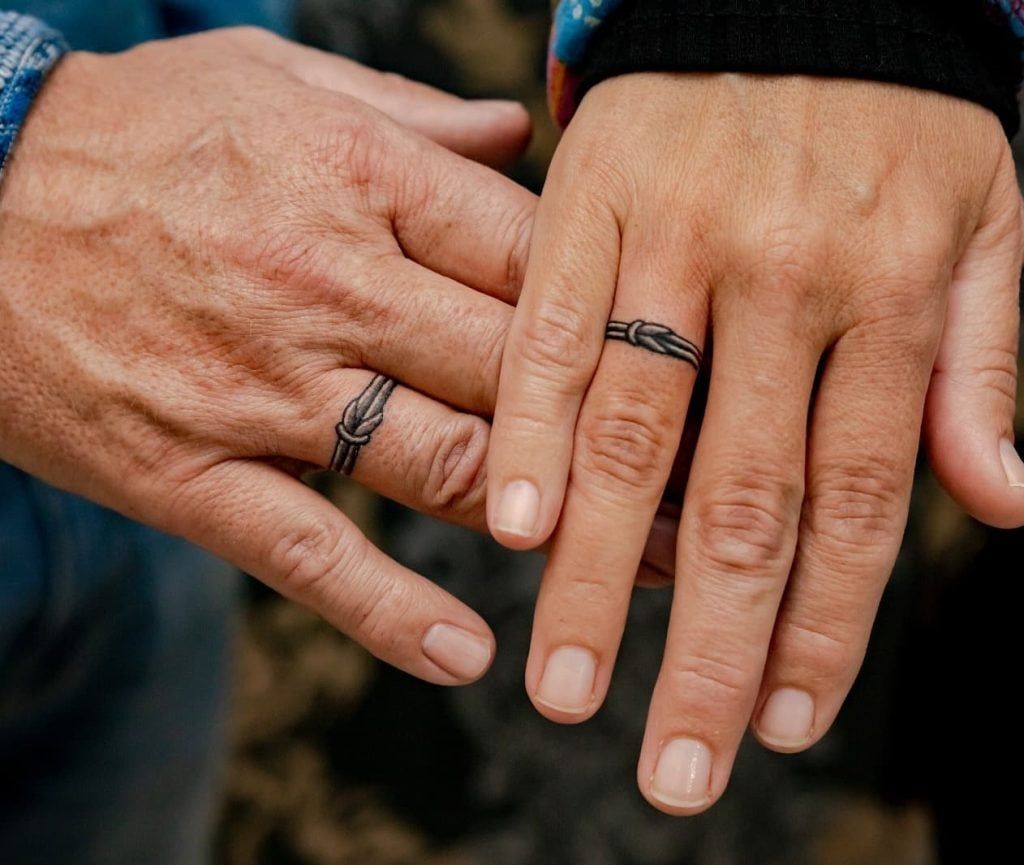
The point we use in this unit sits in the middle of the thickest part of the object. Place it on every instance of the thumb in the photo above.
(968, 424)
(494, 132)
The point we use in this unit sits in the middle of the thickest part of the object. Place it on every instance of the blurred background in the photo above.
(337, 760)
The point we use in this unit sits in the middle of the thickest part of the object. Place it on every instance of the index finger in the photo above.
(298, 543)
(461, 219)
(550, 356)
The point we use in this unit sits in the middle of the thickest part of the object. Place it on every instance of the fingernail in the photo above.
(1012, 463)
(466, 656)
(787, 718)
(568, 681)
(683, 774)
(660, 552)
(518, 509)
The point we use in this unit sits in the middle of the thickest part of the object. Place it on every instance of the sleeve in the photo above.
(966, 48)
(28, 50)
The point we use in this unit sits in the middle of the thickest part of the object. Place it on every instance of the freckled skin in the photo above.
(209, 248)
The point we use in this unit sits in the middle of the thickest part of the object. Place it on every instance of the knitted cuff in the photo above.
(966, 48)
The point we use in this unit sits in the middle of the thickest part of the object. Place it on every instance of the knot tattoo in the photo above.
(656, 338)
(359, 421)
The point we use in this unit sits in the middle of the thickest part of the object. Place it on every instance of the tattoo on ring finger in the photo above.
(359, 421)
(657, 338)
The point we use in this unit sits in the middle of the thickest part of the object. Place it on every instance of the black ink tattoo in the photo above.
(656, 338)
(359, 421)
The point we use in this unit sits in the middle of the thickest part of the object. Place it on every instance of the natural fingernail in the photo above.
(568, 681)
(683, 775)
(463, 654)
(1012, 463)
(518, 509)
(787, 718)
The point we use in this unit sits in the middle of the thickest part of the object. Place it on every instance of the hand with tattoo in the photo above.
(853, 251)
(209, 249)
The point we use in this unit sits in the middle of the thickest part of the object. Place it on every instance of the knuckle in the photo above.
(908, 322)
(744, 527)
(457, 478)
(589, 600)
(379, 608)
(786, 253)
(994, 369)
(625, 444)
(309, 559)
(857, 504)
(817, 655)
(285, 256)
(902, 293)
(553, 344)
(715, 688)
(900, 299)
(352, 146)
(592, 163)
(780, 263)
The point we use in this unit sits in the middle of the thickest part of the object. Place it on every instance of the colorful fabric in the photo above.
(575, 22)
(28, 49)
(1014, 12)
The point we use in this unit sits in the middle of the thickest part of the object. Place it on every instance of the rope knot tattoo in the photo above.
(656, 338)
(359, 421)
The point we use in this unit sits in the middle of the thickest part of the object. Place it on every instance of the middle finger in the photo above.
(736, 545)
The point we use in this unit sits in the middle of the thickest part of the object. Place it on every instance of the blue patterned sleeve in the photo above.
(28, 50)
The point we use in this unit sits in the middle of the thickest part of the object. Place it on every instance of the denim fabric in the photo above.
(114, 639)
(113, 25)
(28, 50)
(114, 656)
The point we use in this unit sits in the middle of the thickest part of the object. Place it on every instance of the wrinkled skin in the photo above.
(208, 247)
(850, 252)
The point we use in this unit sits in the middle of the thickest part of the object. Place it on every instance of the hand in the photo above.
(854, 251)
(207, 251)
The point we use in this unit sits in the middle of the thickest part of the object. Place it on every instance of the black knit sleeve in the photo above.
(952, 46)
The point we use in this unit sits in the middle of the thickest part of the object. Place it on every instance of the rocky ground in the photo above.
(339, 761)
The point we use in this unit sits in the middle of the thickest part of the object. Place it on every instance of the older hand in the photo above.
(208, 250)
(854, 251)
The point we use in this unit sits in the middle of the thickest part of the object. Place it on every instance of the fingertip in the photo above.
(674, 809)
(564, 687)
(680, 783)
(786, 721)
(498, 133)
(511, 114)
(561, 716)
(983, 473)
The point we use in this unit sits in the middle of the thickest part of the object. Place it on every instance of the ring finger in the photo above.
(626, 439)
